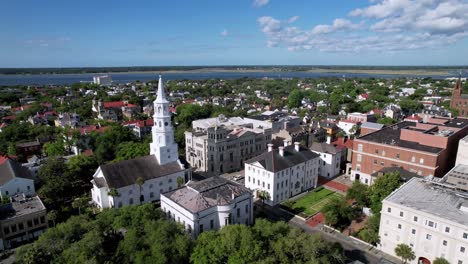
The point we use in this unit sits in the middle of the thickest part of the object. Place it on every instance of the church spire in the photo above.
(163, 145)
(161, 96)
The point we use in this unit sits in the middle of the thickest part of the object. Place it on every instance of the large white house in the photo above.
(209, 204)
(282, 173)
(330, 159)
(429, 216)
(15, 179)
(143, 179)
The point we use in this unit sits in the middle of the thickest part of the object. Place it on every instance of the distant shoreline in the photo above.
(414, 72)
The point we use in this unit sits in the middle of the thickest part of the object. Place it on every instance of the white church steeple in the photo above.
(163, 145)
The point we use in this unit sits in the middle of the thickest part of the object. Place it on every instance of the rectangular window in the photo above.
(444, 242)
(246, 208)
(428, 236)
(462, 249)
(359, 147)
(376, 151)
(238, 212)
(389, 210)
(415, 218)
(447, 229)
(399, 226)
(413, 231)
(465, 235)
(359, 157)
(211, 223)
(421, 161)
(401, 214)
(268, 186)
(201, 228)
(398, 155)
(430, 223)
(375, 161)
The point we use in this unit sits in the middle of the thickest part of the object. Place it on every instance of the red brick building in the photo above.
(459, 100)
(427, 149)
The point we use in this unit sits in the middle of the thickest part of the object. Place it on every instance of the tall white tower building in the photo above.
(163, 145)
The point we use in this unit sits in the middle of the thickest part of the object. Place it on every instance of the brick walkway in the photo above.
(333, 184)
(316, 220)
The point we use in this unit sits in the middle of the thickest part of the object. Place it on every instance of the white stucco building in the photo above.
(15, 179)
(462, 152)
(330, 159)
(209, 204)
(143, 179)
(431, 217)
(282, 173)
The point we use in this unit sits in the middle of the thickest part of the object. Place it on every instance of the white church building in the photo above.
(143, 179)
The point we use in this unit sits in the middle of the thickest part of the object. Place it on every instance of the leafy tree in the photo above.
(381, 188)
(294, 99)
(52, 216)
(79, 203)
(440, 261)
(113, 192)
(338, 213)
(386, 121)
(404, 252)
(358, 192)
(131, 150)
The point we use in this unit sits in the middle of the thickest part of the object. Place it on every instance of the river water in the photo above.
(64, 79)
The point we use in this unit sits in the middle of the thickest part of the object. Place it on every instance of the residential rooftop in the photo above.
(21, 206)
(274, 162)
(434, 198)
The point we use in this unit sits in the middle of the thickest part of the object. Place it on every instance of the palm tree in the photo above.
(180, 181)
(440, 261)
(264, 195)
(404, 252)
(52, 216)
(140, 181)
(79, 203)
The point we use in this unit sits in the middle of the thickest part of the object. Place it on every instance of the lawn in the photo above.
(312, 202)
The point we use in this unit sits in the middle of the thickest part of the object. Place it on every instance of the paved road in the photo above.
(354, 250)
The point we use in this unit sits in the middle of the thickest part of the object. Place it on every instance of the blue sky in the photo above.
(237, 32)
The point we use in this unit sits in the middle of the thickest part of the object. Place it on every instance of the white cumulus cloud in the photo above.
(260, 2)
(383, 25)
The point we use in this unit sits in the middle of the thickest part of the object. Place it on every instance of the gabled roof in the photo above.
(11, 169)
(323, 148)
(272, 161)
(124, 173)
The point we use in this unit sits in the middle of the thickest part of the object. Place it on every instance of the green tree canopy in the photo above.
(404, 252)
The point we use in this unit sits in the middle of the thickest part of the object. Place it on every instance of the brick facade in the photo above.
(427, 149)
(459, 100)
